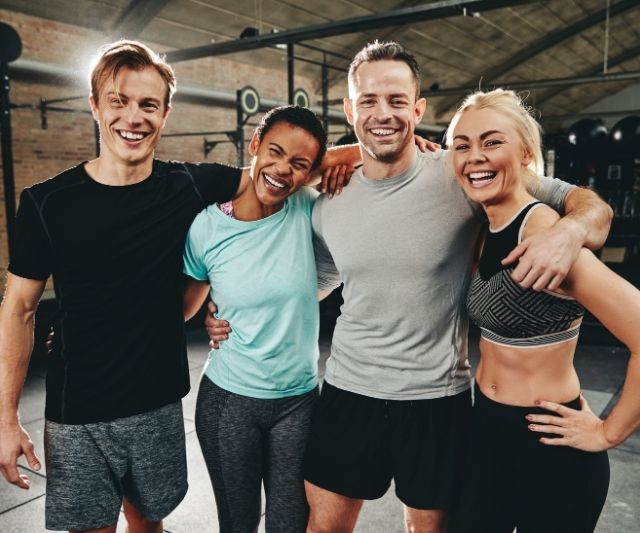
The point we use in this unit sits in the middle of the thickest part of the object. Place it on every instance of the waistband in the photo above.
(531, 342)
(482, 400)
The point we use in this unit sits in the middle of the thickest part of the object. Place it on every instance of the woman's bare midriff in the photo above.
(520, 376)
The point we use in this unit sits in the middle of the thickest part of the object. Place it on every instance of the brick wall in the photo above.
(69, 138)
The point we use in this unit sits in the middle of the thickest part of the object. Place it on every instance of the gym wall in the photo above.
(69, 138)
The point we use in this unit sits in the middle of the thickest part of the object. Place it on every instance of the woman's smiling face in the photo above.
(488, 155)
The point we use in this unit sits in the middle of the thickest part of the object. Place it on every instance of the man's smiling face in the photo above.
(131, 112)
(383, 109)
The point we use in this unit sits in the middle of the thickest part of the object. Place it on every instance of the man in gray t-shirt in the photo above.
(395, 403)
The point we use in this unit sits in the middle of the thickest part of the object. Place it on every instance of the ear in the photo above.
(254, 144)
(527, 157)
(348, 110)
(419, 109)
(94, 108)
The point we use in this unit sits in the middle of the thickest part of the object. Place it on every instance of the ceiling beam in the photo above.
(432, 11)
(135, 17)
(548, 41)
(613, 62)
(536, 84)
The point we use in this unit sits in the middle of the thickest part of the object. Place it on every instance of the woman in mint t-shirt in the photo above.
(255, 255)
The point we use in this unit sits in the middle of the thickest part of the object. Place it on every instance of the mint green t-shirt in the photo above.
(263, 279)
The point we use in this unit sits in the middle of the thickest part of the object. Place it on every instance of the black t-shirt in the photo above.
(115, 253)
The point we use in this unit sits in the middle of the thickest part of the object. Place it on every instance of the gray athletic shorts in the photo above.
(91, 467)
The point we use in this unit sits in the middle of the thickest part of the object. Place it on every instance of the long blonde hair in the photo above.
(509, 104)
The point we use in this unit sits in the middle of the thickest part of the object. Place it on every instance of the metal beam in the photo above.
(536, 84)
(613, 62)
(136, 16)
(543, 44)
(432, 11)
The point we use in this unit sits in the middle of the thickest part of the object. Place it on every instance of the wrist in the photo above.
(8, 420)
(611, 437)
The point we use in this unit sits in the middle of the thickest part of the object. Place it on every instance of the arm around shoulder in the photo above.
(590, 216)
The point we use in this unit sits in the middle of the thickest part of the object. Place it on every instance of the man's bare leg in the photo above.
(136, 523)
(424, 521)
(330, 512)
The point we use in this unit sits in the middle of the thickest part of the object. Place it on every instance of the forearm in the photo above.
(587, 217)
(624, 418)
(195, 294)
(16, 344)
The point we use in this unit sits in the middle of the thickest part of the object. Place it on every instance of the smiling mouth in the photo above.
(383, 133)
(274, 184)
(132, 136)
(481, 179)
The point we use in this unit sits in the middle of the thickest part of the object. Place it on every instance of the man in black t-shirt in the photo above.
(111, 233)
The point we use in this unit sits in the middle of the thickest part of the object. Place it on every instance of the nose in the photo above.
(383, 112)
(283, 168)
(476, 155)
(134, 115)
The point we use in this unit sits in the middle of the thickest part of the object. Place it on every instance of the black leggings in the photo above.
(247, 442)
(512, 480)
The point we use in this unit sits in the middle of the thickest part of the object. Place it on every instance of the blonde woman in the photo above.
(538, 453)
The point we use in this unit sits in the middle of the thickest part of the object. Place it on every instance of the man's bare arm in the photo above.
(546, 257)
(17, 322)
(590, 217)
(195, 293)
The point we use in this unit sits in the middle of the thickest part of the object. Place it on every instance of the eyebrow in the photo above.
(393, 95)
(482, 135)
(122, 96)
(299, 158)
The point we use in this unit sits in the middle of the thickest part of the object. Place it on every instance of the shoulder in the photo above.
(540, 218)
(306, 195)
(197, 170)
(66, 179)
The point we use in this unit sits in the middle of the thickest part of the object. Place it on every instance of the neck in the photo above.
(500, 212)
(247, 206)
(106, 170)
(378, 170)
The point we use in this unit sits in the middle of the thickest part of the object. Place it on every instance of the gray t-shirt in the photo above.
(403, 247)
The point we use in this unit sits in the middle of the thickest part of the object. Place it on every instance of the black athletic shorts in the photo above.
(358, 444)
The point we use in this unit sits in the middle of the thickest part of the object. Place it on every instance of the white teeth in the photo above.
(273, 182)
(381, 131)
(481, 175)
(131, 136)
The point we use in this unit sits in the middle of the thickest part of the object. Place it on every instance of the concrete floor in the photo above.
(601, 369)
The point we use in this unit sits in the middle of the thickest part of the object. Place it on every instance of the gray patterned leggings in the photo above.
(249, 441)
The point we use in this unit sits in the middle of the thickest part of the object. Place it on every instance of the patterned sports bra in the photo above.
(506, 313)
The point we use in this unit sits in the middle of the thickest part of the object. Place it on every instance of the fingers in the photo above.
(214, 345)
(584, 404)
(218, 330)
(421, 143)
(334, 179)
(31, 456)
(515, 254)
(13, 476)
(212, 307)
(432, 147)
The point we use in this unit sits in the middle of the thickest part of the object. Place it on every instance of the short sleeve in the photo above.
(215, 183)
(193, 257)
(328, 275)
(31, 252)
(551, 191)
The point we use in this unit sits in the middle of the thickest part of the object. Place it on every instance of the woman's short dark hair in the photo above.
(301, 117)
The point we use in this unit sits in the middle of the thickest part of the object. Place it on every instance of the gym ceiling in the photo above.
(568, 54)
